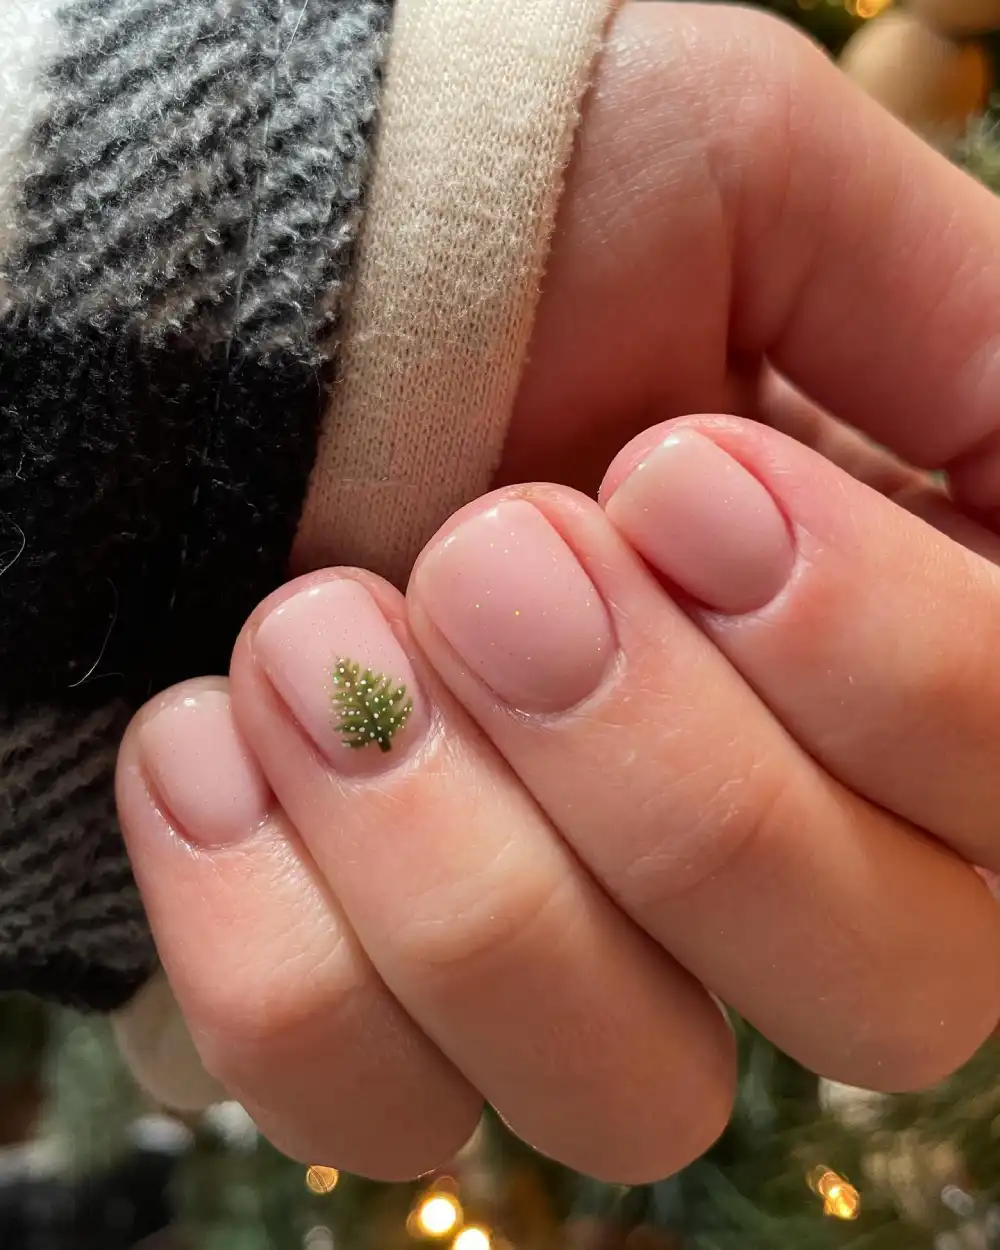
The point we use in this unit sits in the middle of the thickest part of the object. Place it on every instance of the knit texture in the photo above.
(480, 112)
(176, 239)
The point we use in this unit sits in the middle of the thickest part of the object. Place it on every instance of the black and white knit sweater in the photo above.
(229, 249)
(181, 186)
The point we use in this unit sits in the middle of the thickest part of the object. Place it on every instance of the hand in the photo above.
(738, 217)
(756, 761)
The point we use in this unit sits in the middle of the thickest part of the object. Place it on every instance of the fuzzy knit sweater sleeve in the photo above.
(181, 185)
(246, 294)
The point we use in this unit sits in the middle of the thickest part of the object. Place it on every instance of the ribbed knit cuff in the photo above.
(479, 115)
(181, 186)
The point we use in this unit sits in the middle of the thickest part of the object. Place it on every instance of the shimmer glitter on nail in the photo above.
(512, 599)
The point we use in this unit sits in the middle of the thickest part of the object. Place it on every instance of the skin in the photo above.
(779, 808)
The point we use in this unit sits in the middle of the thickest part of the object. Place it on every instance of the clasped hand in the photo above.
(728, 732)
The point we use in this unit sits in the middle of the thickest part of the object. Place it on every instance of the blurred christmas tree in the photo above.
(803, 1163)
(87, 1164)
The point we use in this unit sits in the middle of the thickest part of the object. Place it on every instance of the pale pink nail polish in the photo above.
(203, 772)
(706, 523)
(510, 596)
(332, 656)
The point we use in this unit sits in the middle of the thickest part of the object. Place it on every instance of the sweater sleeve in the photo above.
(181, 187)
(480, 115)
(189, 189)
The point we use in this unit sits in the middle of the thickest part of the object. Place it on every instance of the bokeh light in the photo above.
(438, 1215)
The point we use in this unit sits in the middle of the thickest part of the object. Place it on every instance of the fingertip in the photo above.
(720, 426)
(198, 769)
(157, 1046)
(629, 459)
(192, 688)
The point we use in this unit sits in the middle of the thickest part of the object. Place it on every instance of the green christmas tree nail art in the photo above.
(370, 709)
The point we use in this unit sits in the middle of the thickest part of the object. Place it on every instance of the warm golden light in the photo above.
(870, 8)
(841, 1200)
(472, 1239)
(322, 1180)
(438, 1214)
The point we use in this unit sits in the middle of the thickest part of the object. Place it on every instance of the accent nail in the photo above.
(512, 599)
(706, 523)
(202, 771)
(333, 658)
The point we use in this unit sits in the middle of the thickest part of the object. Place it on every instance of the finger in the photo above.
(796, 902)
(787, 410)
(879, 657)
(282, 1004)
(734, 197)
(156, 1043)
(474, 913)
(784, 408)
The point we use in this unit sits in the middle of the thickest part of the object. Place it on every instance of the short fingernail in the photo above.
(706, 523)
(512, 599)
(333, 658)
(203, 772)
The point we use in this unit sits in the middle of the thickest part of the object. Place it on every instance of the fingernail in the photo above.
(706, 523)
(511, 598)
(332, 656)
(203, 772)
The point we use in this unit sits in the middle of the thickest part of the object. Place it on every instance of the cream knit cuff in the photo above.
(479, 112)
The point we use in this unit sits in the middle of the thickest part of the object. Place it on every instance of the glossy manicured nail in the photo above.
(202, 770)
(511, 598)
(332, 656)
(706, 523)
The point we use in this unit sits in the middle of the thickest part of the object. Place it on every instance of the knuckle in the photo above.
(735, 75)
(727, 819)
(693, 1130)
(488, 931)
(912, 1042)
(759, 67)
(764, 150)
(247, 1015)
(894, 1060)
(769, 61)
(614, 1161)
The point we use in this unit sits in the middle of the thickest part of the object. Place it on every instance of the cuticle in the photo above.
(610, 678)
(163, 809)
